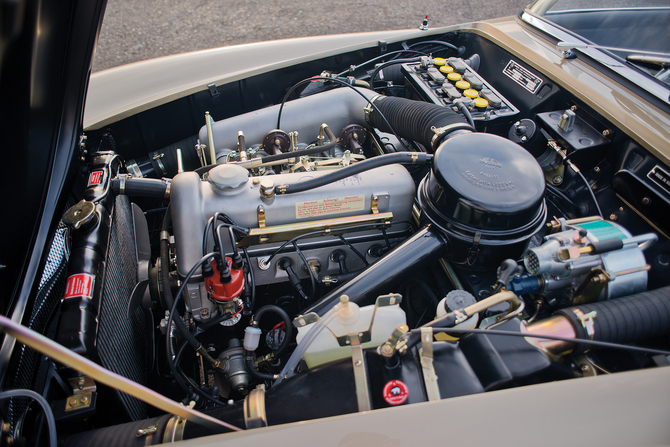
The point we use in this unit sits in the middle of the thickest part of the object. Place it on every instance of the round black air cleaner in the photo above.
(486, 195)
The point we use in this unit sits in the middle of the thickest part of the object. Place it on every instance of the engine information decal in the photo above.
(79, 285)
(324, 207)
(523, 77)
(395, 392)
(661, 177)
(95, 178)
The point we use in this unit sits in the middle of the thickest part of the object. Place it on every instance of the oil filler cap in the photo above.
(228, 176)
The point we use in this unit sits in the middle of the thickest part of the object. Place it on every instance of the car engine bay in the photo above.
(380, 228)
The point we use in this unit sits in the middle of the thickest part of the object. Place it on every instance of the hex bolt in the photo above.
(596, 169)
(584, 368)
(613, 216)
(72, 401)
(84, 400)
(606, 133)
(557, 180)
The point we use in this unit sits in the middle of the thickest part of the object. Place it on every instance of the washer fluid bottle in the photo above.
(351, 319)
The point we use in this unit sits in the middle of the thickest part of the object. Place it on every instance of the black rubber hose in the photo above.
(414, 120)
(142, 187)
(165, 259)
(625, 320)
(386, 64)
(272, 308)
(256, 374)
(418, 158)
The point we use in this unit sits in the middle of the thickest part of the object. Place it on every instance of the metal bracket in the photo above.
(394, 344)
(254, 408)
(360, 375)
(261, 216)
(339, 225)
(375, 203)
(429, 376)
(594, 282)
(82, 393)
(304, 320)
(366, 336)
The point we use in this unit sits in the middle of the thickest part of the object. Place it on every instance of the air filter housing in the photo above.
(486, 195)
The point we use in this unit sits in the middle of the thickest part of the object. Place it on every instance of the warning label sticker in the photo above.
(79, 285)
(324, 207)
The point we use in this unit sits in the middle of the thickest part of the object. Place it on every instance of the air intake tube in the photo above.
(428, 124)
(622, 320)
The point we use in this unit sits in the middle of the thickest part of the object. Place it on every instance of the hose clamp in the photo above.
(442, 132)
(122, 183)
(164, 236)
(168, 183)
(254, 408)
(587, 321)
(174, 430)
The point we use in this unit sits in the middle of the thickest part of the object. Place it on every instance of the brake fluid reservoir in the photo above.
(351, 319)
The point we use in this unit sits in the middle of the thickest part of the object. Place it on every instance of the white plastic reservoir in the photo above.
(350, 319)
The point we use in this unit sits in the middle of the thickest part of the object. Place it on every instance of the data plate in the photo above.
(523, 77)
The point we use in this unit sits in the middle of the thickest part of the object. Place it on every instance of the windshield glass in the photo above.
(638, 32)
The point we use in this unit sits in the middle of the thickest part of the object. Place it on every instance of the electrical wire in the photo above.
(353, 249)
(386, 64)
(48, 414)
(383, 56)
(436, 42)
(588, 187)
(338, 81)
(602, 344)
(312, 281)
(252, 279)
(189, 336)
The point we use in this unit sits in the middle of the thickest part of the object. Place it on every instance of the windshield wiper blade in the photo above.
(567, 47)
(661, 61)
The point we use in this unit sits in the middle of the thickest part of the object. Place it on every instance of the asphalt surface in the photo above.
(135, 30)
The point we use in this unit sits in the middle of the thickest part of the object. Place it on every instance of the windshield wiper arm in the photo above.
(566, 49)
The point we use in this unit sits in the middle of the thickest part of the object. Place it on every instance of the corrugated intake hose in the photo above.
(417, 158)
(624, 320)
(415, 120)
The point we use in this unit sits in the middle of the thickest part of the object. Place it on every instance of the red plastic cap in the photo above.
(225, 292)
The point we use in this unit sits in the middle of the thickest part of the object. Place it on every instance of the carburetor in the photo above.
(585, 260)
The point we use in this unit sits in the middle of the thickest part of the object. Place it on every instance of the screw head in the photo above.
(573, 108)
(606, 133)
(584, 367)
(557, 180)
(596, 169)
(204, 312)
(646, 201)
(613, 216)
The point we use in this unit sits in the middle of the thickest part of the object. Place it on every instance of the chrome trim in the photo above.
(645, 82)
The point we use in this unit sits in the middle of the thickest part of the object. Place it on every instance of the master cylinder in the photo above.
(591, 258)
